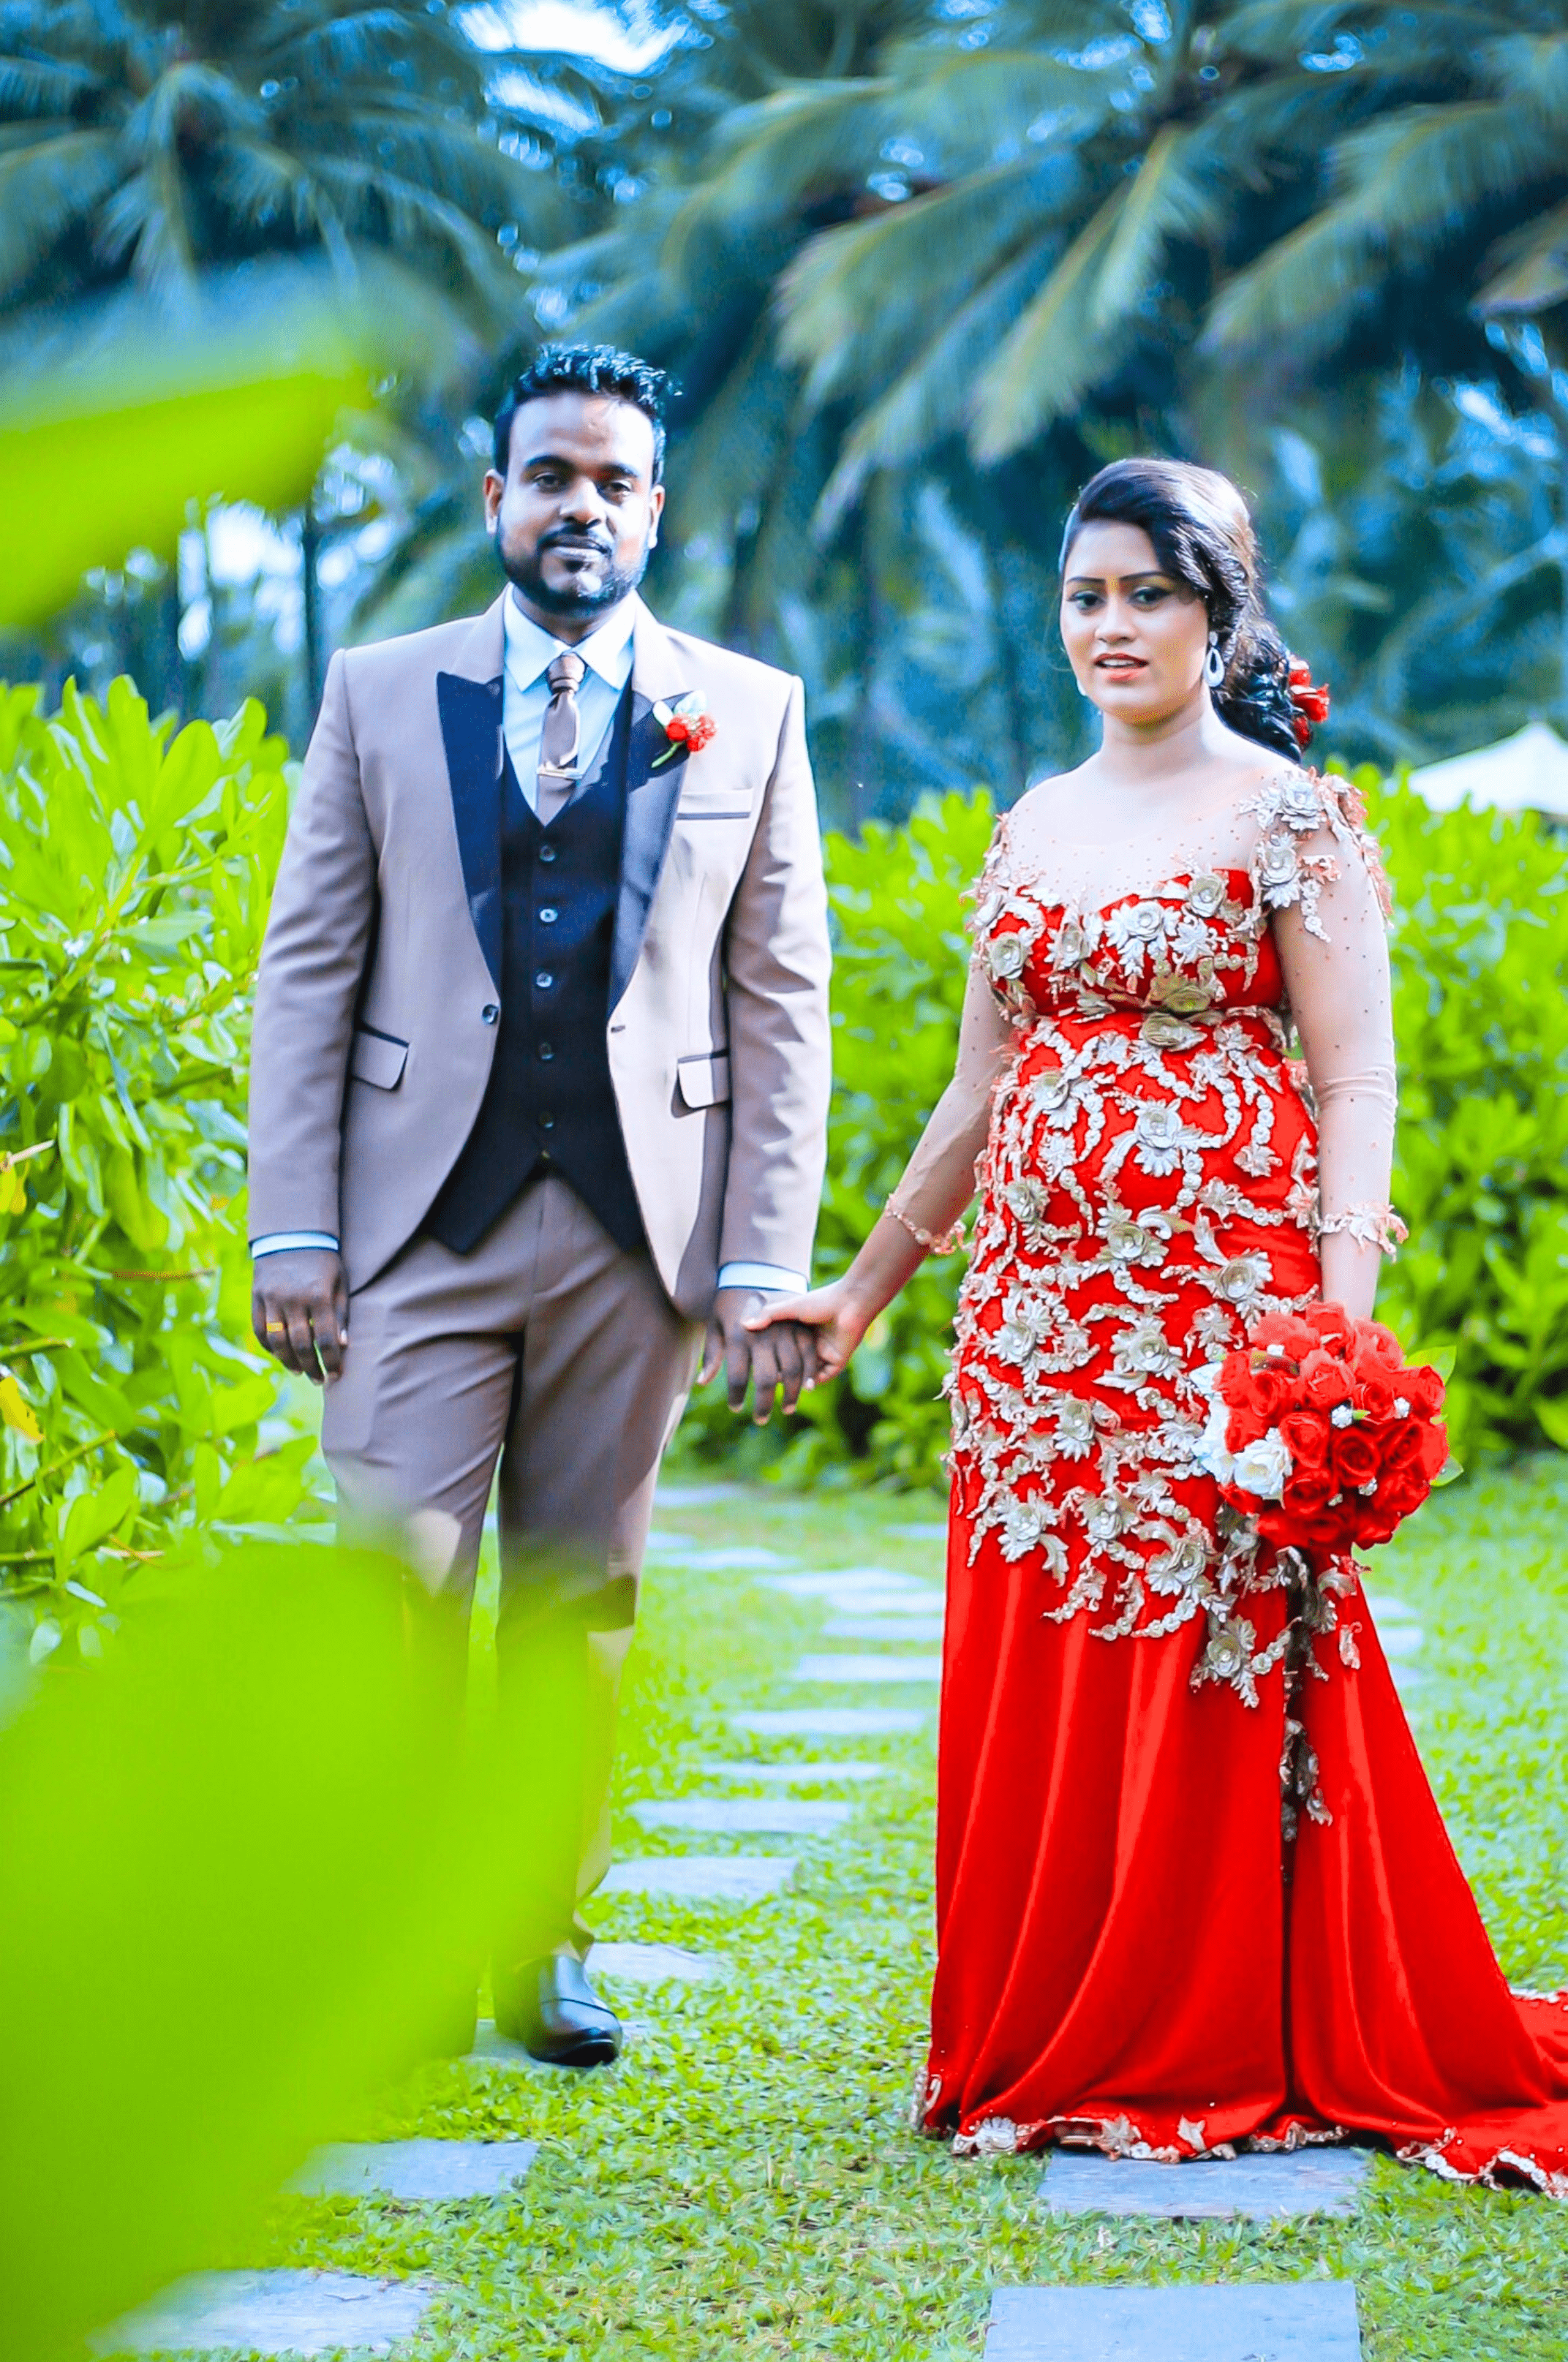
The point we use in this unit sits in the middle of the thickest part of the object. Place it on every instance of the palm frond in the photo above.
(1175, 195)
(1531, 269)
(1280, 32)
(855, 301)
(930, 400)
(1052, 356)
(41, 85)
(46, 188)
(1408, 183)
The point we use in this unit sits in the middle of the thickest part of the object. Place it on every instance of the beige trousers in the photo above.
(552, 1352)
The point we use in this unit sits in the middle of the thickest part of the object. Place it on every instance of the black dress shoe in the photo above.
(550, 2007)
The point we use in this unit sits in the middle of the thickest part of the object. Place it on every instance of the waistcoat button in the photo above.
(548, 916)
(547, 1123)
(546, 1051)
(489, 1014)
(546, 853)
(544, 979)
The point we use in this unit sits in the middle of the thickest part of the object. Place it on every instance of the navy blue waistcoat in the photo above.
(551, 1103)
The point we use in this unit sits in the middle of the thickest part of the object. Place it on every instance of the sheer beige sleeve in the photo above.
(1322, 880)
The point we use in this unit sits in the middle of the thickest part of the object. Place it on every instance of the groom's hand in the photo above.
(299, 1310)
(769, 1359)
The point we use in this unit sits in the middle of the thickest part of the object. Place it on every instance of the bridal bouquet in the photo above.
(1321, 1430)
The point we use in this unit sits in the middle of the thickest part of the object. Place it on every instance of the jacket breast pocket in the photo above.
(703, 1081)
(376, 1058)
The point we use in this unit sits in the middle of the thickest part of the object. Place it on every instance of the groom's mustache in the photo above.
(566, 538)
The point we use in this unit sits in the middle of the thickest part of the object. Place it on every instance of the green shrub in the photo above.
(1479, 955)
(1480, 963)
(135, 868)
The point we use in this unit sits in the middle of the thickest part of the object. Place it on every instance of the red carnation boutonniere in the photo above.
(1312, 702)
(687, 723)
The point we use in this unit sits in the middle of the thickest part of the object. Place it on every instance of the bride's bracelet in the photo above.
(950, 1242)
(1371, 1226)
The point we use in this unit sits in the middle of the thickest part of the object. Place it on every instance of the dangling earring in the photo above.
(1214, 663)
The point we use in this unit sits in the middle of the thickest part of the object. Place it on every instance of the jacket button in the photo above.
(548, 916)
(547, 1123)
(546, 1051)
(490, 1012)
(546, 853)
(544, 979)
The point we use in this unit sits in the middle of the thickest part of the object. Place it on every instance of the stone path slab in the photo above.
(924, 1530)
(785, 1816)
(651, 1964)
(1401, 1641)
(883, 1627)
(1384, 1604)
(814, 1584)
(272, 2313)
(869, 1669)
(424, 2169)
(740, 1560)
(830, 1721)
(668, 1545)
(1299, 2321)
(1255, 2188)
(804, 1775)
(740, 1878)
(695, 1496)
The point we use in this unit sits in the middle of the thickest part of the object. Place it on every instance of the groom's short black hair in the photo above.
(586, 369)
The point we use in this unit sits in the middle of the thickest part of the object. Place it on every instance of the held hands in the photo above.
(299, 1310)
(831, 1321)
(752, 1335)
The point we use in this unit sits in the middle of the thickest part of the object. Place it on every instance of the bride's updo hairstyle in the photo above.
(1203, 537)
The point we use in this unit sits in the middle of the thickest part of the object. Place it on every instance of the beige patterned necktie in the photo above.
(558, 748)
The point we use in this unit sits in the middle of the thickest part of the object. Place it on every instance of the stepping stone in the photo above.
(416, 2168)
(785, 1816)
(1401, 1640)
(883, 1627)
(924, 1529)
(1292, 2321)
(857, 1579)
(695, 1496)
(1384, 1607)
(741, 1878)
(724, 1561)
(869, 1669)
(1259, 2188)
(804, 1774)
(272, 2313)
(669, 1545)
(651, 1964)
(829, 1722)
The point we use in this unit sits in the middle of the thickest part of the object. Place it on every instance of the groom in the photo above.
(539, 1087)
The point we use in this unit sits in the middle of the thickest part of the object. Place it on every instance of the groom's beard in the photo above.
(600, 588)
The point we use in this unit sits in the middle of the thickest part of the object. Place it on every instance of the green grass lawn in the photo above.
(743, 2184)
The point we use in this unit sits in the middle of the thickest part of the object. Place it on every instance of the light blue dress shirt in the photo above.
(525, 697)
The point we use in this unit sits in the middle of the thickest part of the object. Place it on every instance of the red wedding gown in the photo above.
(1192, 1890)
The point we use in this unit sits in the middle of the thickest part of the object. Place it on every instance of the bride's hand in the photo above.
(839, 1321)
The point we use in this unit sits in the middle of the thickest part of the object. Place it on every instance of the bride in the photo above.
(1193, 1891)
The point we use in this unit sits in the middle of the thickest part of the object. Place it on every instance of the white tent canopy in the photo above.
(1528, 772)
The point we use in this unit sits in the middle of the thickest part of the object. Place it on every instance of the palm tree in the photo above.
(156, 141)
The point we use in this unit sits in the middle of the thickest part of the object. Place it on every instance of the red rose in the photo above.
(1245, 1425)
(1434, 1449)
(1399, 1444)
(1273, 1392)
(1305, 1438)
(1324, 1381)
(1234, 1382)
(1422, 1389)
(1284, 1333)
(1355, 1457)
(1383, 1343)
(1331, 1324)
(1311, 1491)
(1375, 1395)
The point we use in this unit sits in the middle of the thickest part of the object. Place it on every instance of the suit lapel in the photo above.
(468, 701)
(653, 791)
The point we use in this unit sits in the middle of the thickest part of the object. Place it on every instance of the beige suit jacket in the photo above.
(377, 1003)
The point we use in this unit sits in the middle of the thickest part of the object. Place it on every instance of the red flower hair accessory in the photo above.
(1310, 701)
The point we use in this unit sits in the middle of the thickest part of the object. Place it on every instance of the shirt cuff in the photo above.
(278, 1242)
(763, 1275)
